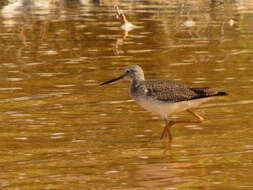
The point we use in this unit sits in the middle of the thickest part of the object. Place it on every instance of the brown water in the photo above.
(60, 130)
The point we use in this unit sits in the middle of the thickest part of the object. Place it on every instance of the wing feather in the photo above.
(171, 91)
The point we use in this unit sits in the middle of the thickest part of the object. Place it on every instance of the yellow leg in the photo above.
(200, 119)
(166, 131)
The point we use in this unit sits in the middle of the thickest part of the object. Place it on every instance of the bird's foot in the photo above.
(166, 133)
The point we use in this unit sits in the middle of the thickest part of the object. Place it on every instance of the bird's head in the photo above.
(133, 72)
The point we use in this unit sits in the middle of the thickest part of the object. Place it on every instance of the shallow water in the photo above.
(60, 130)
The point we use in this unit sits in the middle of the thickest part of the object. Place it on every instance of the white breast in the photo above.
(168, 108)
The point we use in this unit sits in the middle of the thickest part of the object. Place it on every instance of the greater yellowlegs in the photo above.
(126, 25)
(165, 97)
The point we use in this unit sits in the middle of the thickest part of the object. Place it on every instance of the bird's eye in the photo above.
(127, 71)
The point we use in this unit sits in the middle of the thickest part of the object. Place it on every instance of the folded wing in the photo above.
(171, 91)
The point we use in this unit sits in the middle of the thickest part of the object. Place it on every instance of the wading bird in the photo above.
(165, 97)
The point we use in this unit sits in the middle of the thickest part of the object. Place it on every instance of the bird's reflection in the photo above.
(171, 169)
(168, 172)
(166, 146)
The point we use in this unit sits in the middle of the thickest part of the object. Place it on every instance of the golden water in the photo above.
(60, 130)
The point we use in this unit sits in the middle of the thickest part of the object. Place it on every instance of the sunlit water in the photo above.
(60, 130)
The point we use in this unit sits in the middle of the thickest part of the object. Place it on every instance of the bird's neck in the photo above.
(137, 80)
(135, 83)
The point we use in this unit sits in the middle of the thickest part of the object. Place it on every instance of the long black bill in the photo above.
(113, 80)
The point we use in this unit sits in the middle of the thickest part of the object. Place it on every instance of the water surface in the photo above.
(60, 130)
